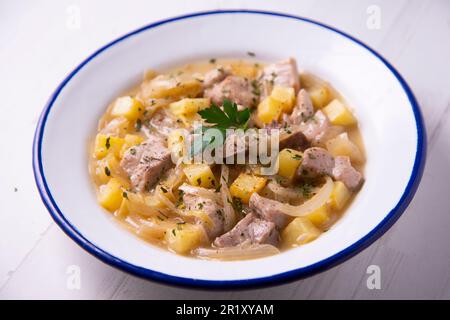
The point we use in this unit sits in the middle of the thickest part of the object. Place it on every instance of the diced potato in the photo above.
(340, 195)
(320, 216)
(116, 127)
(284, 95)
(298, 232)
(343, 146)
(320, 96)
(288, 162)
(127, 107)
(200, 175)
(107, 144)
(202, 216)
(106, 168)
(171, 87)
(339, 114)
(144, 205)
(244, 70)
(245, 185)
(110, 195)
(176, 143)
(131, 140)
(183, 238)
(189, 106)
(269, 109)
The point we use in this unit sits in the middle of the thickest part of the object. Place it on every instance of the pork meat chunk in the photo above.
(283, 73)
(234, 88)
(315, 127)
(215, 76)
(146, 162)
(303, 109)
(269, 210)
(250, 229)
(294, 139)
(214, 221)
(316, 162)
(343, 171)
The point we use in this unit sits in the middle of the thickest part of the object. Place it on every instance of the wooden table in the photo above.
(43, 40)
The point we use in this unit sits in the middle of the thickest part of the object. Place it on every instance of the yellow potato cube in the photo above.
(269, 109)
(286, 96)
(110, 195)
(176, 143)
(188, 106)
(200, 175)
(299, 231)
(184, 237)
(343, 146)
(245, 185)
(319, 96)
(131, 140)
(340, 195)
(320, 216)
(288, 162)
(245, 70)
(171, 87)
(339, 114)
(127, 107)
(107, 144)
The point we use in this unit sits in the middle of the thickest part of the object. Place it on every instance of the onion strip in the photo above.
(229, 214)
(318, 200)
(242, 252)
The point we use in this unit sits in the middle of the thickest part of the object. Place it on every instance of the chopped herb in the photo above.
(199, 181)
(179, 225)
(133, 151)
(107, 171)
(160, 218)
(163, 189)
(125, 195)
(174, 232)
(218, 188)
(297, 157)
(108, 143)
(180, 198)
(306, 189)
(138, 125)
(251, 54)
(200, 205)
(213, 60)
(255, 88)
(237, 204)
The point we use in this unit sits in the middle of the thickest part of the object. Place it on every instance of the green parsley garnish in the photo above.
(108, 143)
(107, 171)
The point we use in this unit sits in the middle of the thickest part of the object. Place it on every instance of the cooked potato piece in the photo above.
(319, 96)
(288, 162)
(339, 114)
(343, 146)
(284, 95)
(320, 216)
(131, 140)
(106, 168)
(184, 237)
(189, 106)
(127, 107)
(200, 175)
(110, 195)
(107, 144)
(299, 231)
(244, 70)
(156, 228)
(245, 185)
(269, 109)
(144, 205)
(175, 142)
(168, 86)
(340, 195)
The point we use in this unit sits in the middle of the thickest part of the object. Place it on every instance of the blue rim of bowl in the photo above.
(276, 279)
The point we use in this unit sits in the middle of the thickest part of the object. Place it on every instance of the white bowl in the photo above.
(388, 114)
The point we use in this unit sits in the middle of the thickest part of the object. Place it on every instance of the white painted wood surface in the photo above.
(40, 44)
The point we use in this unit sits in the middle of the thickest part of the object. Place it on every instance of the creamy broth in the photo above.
(219, 211)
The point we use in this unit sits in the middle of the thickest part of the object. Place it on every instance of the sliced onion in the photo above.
(201, 192)
(318, 200)
(229, 214)
(242, 252)
(281, 193)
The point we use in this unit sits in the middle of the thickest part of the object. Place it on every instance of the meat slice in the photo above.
(194, 200)
(146, 162)
(343, 171)
(269, 210)
(316, 162)
(303, 109)
(163, 123)
(293, 139)
(250, 229)
(234, 88)
(283, 73)
(315, 127)
(214, 76)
